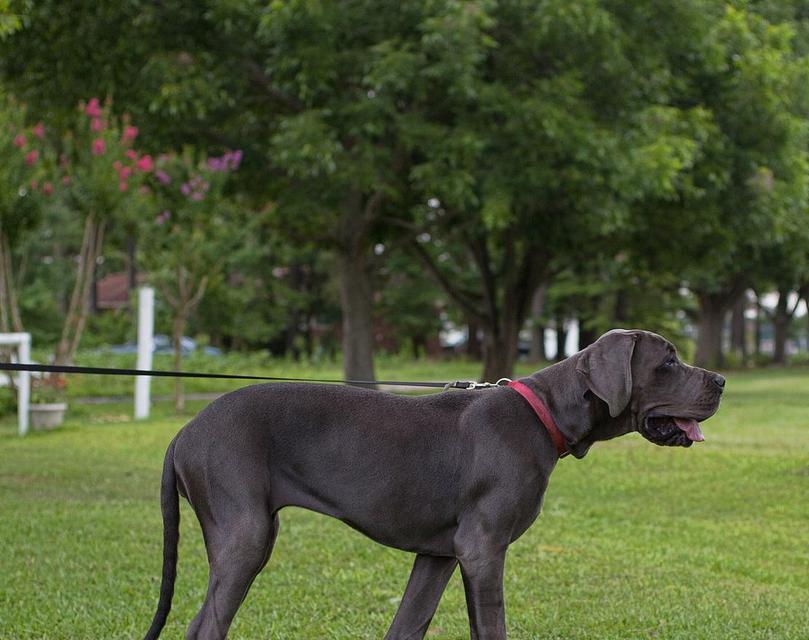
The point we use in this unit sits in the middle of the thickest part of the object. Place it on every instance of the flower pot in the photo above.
(45, 417)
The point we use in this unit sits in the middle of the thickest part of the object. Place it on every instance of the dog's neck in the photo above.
(581, 416)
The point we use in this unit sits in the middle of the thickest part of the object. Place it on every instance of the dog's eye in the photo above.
(671, 361)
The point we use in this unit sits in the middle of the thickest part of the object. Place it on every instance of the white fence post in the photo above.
(22, 341)
(24, 384)
(145, 347)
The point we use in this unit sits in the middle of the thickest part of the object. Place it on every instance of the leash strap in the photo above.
(544, 415)
(108, 371)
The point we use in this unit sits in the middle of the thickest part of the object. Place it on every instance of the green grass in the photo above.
(635, 541)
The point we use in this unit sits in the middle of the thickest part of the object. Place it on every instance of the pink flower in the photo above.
(146, 163)
(99, 147)
(131, 154)
(31, 157)
(122, 186)
(124, 172)
(93, 108)
(34, 185)
(117, 165)
(130, 133)
(65, 180)
(235, 159)
(20, 141)
(163, 177)
(38, 130)
(163, 217)
(97, 124)
(47, 188)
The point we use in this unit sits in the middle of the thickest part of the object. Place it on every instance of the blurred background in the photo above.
(482, 180)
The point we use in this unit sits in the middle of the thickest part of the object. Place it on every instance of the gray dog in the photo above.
(453, 477)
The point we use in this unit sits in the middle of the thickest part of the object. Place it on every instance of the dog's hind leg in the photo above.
(427, 582)
(236, 557)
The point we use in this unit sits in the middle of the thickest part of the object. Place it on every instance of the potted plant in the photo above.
(48, 404)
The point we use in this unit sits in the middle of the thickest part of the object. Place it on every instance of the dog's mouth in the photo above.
(671, 431)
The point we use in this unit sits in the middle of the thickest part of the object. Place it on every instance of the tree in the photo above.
(100, 174)
(24, 189)
(732, 97)
(187, 230)
(337, 141)
(524, 159)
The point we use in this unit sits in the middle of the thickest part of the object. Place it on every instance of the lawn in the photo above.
(635, 541)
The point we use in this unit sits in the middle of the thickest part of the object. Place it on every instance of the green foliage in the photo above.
(25, 156)
(188, 226)
(10, 20)
(405, 302)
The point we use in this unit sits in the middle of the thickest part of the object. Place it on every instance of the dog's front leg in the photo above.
(427, 581)
(482, 569)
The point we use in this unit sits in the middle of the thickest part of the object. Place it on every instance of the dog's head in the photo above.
(641, 385)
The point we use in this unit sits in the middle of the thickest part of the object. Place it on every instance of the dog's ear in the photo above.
(607, 367)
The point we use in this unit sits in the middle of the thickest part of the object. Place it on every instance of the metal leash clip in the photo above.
(471, 384)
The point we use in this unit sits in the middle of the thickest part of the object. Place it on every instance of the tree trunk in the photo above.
(586, 336)
(80, 299)
(537, 328)
(131, 262)
(500, 348)
(620, 311)
(709, 340)
(474, 350)
(419, 346)
(500, 316)
(94, 291)
(738, 333)
(561, 338)
(5, 324)
(781, 327)
(9, 306)
(351, 234)
(355, 301)
(177, 330)
(760, 317)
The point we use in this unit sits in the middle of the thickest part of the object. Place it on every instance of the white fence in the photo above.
(22, 343)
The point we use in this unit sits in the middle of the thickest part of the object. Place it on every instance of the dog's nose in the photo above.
(719, 381)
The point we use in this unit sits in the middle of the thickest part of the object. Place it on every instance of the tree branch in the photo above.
(461, 298)
(259, 78)
(372, 206)
(480, 253)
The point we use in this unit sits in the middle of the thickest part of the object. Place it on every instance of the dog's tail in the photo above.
(170, 506)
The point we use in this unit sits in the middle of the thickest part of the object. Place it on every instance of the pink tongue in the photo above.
(691, 428)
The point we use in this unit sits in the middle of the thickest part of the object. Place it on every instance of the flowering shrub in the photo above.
(188, 200)
(184, 241)
(101, 169)
(24, 162)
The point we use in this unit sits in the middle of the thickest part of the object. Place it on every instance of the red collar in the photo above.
(544, 415)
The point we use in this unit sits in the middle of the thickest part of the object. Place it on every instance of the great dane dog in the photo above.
(453, 477)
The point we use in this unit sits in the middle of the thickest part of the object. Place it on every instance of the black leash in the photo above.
(109, 371)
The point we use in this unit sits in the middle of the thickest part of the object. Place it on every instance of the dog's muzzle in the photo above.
(671, 431)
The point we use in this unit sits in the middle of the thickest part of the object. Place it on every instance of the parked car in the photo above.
(163, 344)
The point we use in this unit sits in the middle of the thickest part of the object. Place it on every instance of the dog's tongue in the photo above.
(691, 428)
